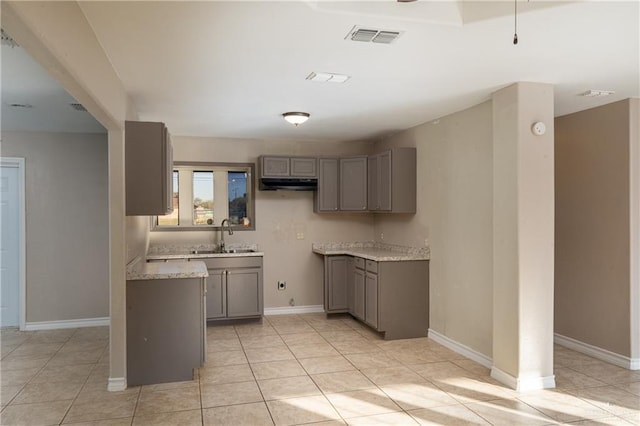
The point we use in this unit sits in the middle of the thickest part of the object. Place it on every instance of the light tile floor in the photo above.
(301, 369)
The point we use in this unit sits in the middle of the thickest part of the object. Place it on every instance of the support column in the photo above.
(523, 237)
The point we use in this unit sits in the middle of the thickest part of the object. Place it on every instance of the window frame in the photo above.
(204, 166)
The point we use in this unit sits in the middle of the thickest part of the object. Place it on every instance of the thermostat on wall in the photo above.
(538, 128)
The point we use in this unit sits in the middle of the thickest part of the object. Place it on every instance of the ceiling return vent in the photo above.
(78, 107)
(373, 35)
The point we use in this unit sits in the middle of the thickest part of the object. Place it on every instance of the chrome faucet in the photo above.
(222, 245)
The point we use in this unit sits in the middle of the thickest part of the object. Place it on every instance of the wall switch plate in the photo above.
(282, 285)
(300, 235)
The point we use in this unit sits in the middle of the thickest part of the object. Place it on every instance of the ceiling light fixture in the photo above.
(296, 118)
(328, 77)
(596, 93)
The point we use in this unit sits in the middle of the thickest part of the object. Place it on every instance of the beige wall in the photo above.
(592, 227)
(60, 39)
(279, 216)
(66, 225)
(454, 212)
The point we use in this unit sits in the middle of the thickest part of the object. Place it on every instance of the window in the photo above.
(207, 193)
(173, 218)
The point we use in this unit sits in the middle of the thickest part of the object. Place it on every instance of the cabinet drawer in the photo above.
(372, 266)
(232, 262)
(359, 262)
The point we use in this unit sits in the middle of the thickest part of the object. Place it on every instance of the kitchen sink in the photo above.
(240, 250)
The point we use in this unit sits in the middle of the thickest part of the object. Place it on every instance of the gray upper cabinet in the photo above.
(148, 169)
(272, 166)
(353, 183)
(392, 181)
(304, 167)
(326, 197)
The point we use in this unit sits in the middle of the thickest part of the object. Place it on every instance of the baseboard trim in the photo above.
(460, 348)
(524, 384)
(117, 384)
(78, 323)
(287, 310)
(598, 353)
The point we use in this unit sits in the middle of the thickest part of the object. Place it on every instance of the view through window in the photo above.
(207, 193)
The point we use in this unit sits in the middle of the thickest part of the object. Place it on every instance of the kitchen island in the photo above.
(385, 286)
(166, 321)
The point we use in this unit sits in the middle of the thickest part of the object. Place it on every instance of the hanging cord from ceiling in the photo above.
(515, 21)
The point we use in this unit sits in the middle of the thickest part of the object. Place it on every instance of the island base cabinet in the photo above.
(166, 330)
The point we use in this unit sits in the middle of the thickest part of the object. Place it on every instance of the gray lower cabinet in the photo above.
(234, 287)
(336, 272)
(358, 293)
(166, 330)
(371, 299)
(391, 297)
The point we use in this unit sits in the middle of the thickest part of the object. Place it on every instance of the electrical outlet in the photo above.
(426, 242)
(282, 285)
(381, 236)
(300, 235)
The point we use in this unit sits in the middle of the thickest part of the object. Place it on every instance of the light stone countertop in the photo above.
(185, 251)
(138, 270)
(370, 250)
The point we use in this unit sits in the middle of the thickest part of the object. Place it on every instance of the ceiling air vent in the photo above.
(78, 107)
(6, 39)
(373, 35)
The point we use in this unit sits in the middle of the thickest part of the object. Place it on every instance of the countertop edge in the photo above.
(399, 257)
(138, 271)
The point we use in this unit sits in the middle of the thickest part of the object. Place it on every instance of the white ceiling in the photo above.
(231, 68)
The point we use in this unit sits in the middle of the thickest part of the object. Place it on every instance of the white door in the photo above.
(10, 235)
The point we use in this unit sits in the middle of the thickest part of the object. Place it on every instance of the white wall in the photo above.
(66, 225)
(280, 215)
(454, 212)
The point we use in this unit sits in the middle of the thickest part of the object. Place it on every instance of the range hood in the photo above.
(290, 184)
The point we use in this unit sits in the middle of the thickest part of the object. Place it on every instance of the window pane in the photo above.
(173, 218)
(237, 188)
(203, 198)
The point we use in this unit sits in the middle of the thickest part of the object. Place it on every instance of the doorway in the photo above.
(12, 244)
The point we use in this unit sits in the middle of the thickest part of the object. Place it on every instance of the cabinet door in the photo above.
(244, 296)
(275, 166)
(358, 293)
(327, 193)
(371, 299)
(216, 294)
(373, 199)
(336, 275)
(148, 169)
(384, 181)
(350, 284)
(304, 167)
(353, 184)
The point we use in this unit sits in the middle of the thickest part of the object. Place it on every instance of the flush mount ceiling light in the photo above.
(328, 77)
(596, 93)
(296, 118)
